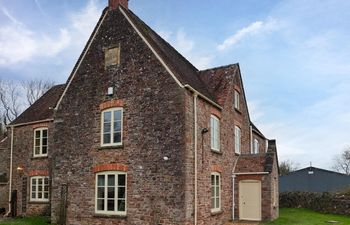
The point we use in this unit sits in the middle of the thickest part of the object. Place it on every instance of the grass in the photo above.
(307, 217)
(26, 221)
(287, 217)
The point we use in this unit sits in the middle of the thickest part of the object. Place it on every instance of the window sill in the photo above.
(110, 147)
(39, 157)
(38, 202)
(238, 111)
(216, 151)
(100, 215)
(237, 154)
(215, 213)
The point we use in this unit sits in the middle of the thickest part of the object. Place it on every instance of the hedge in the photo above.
(320, 202)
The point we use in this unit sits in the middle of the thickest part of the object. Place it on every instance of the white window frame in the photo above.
(105, 211)
(237, 99)
(215, 133)
(256, 146)
(238, 137)
(36, 198)
(112, 110)
(215, 208)
(41, 130)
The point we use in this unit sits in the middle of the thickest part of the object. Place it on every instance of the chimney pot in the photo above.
(114, 4)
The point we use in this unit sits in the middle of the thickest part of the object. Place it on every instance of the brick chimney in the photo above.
(114, 4)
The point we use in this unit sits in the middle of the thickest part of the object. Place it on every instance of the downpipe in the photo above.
(10, 178)
(195, 96)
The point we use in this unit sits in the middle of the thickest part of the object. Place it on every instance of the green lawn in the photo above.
(287, 217)
(307, 217)
(26, 221)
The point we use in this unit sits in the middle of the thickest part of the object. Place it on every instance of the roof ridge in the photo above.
(46, 100)
(219, 67)
(183, 69)
(163, 40)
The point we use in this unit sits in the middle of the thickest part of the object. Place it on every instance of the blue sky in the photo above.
(294, 56)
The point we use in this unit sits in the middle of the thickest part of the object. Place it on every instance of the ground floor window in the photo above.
(39, 188)
(111, 193)
(215, 192)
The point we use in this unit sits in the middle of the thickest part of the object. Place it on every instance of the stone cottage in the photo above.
(138, 135)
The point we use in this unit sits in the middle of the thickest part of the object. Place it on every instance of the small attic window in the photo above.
(112, 56)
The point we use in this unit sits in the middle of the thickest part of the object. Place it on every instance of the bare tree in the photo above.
(341, 162)
(287, 166)
(2, 127)
(15, 97)
(35, 89)
(10, 106)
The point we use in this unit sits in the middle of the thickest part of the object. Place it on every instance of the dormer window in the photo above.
(237, 100)
(40, 142)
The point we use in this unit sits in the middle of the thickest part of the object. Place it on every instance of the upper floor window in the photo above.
(111, 193)
(112, 123)
(237, 140)
(215, 192)
(256, 146)
(215, 133)
(40, 142)
(237, 100)
(39, 189)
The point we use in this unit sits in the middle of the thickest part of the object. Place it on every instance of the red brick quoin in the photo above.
(110, 167)
(111, 104)
(33, 173)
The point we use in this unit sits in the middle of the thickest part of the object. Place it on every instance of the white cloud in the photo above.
(11, 18)
(56, 46)
(252, 29)
(18, 43)
(314, 133)
(182, 43)
(255, 111)
(84, 21)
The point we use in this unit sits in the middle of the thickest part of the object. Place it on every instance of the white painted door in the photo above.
(250, 200)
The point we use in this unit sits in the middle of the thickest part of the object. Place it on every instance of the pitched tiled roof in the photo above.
(256, 130)
(218, 80)
(255, 163)
(43, 108)
(184, 71)
(250, 163)
(3, 143)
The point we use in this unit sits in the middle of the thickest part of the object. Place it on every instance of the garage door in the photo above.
(250, 200)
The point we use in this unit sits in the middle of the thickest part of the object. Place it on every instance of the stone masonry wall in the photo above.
(153, 128)
(23, 157)
(4, 168)
(210, 161)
